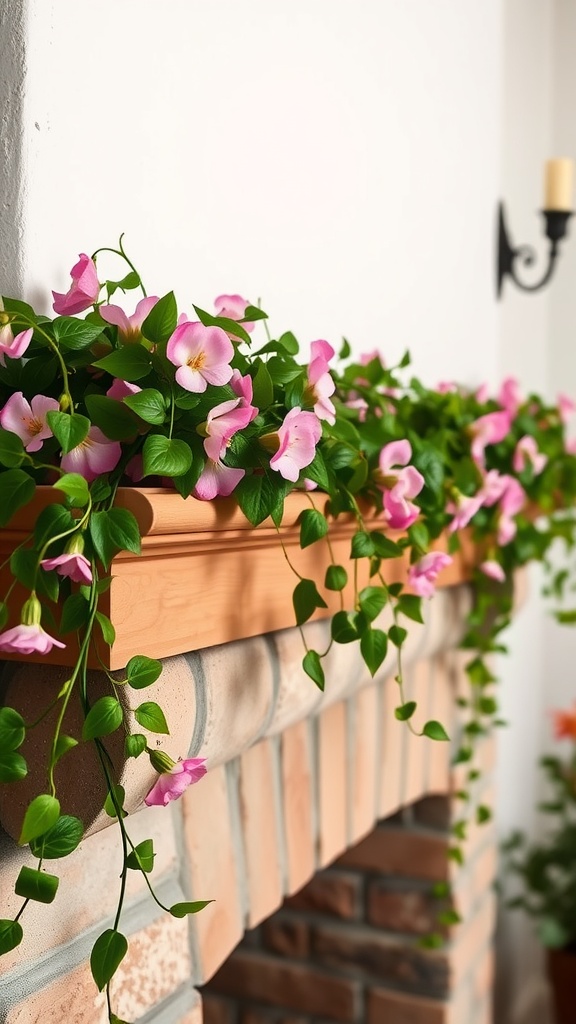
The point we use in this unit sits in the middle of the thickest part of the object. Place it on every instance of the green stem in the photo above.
(120, 252)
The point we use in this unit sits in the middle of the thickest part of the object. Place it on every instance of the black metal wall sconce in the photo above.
(556, 213)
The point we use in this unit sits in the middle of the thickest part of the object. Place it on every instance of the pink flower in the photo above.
(571, 446)
(233, 307)
(320, 384)
(94, 455)
(202, 355)
(482, 394)
(74, 565)
(120, 389)
(509, 396)
(399, 484)
(566, 408)
(217, 480)
(223, 422)
(463, 510)
(28, 420)
(24, 639)
(11, 346)
(493, 487)
(242, 386)
(361, 405)
(488, 429)
(526, 454)
(297, 437)
(83, 291)
(446, 387)
(170, 785)
(422, 575)
(369, 357)
(493, 570)
(129, 327)
(511, 503)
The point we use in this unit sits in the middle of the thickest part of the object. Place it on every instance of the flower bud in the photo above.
(161, 762)
(75, 545)
(64, 402)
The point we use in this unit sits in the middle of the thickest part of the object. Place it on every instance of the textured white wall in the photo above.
(338, 159)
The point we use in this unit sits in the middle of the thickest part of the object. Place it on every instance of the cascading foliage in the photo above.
(198, 404)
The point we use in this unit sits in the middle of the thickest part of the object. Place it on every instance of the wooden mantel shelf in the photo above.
(206, 576)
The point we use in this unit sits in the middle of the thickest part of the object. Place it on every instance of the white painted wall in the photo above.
(338, 159)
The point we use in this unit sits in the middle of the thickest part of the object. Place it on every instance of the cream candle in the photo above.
(558, 175)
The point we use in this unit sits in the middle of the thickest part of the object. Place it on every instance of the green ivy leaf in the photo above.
(69, 429)
(75, 613)
(336, 577)
(252, 313)
(149, 405)
(164, 456)
(262, 496)
(12, 729)
(12, 766)
(397, 635)
(63, 745)
(483, 814)
(60, 840)
(263, 387)
(405, 711)
(317, 472)
(410, 606)
(11, 449)
(131, 363)
(372, 601)
(225, 324)
(313, 667)
(108, 631)
(362, 545)
(435, 731)
(104, 717)
(113, 531)
(150, 716)
(135, 745)
(16, 490)
(4, 614)
(182, 909)
(75, 334)
(306, 600)
(119, 794)
(343, 629)
(75, 488)
(11, 935)
(161, 320)
(112, 417)
(142, 672)
(142, 857)
(373, 645)
(108, 953)
(384, 547)
(313, 526)
(41, 815)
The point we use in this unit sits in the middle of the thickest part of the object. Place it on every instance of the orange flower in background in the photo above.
(565, 724)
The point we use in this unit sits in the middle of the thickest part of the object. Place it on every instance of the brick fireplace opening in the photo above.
(349, 946)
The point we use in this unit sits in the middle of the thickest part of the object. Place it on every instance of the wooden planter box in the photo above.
(206, 576)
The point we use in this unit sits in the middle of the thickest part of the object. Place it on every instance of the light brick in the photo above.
(441, 708)
(260, 832)
(297, 796)
(393, 736)
(416, 747)
(265, 979)
(333, 763)
(364, 709)
(213, 871)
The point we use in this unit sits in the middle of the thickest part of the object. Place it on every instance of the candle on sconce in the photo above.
(558, 176)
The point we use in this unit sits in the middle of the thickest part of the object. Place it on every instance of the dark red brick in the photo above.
(216, 1010)
(401, 852)
(287, 935)
(330, 892)
(403, 908)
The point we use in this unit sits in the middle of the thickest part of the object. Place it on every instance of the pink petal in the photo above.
(396, 453)
(116, 316)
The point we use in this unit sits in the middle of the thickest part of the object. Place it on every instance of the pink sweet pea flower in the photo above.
(120, 389)
(72, 564)
(446, 387)
(233, 307)
(399, 485)
(566, 408)
(94, 455)
(217, 480)
(297, 438)
(83, 291)
(202, 355)
(11, 346)
(129, 327)
(488, 429)
(526, 454)
(571, 446)
(170, 785)
(482, 394)
(422, 575)
(243, 387)
(493, 570)
(28, 420)
(493, 487)
(223, 422)
(512, 502)
(463, 510)
(369, 357)
(361, 405)
(509, 396)
(25, 639)
(320, 384)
